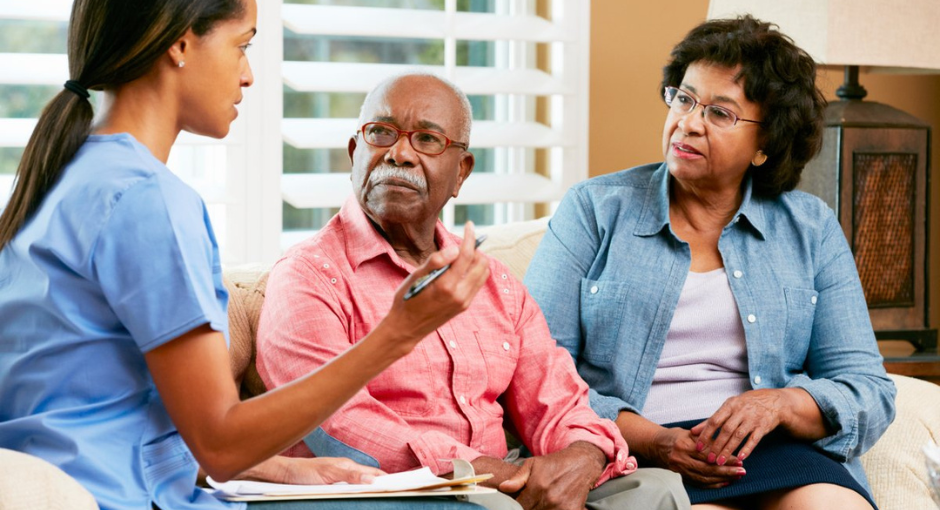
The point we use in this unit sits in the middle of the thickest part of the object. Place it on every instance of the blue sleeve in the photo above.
(844, 371)
(157, 262)
(554, 277)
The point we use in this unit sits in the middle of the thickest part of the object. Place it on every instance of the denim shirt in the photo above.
(610, 269)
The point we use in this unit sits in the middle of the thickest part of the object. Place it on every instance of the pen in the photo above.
(433, 275)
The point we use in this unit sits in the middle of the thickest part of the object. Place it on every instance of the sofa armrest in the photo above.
(28, 482)
(896, 466)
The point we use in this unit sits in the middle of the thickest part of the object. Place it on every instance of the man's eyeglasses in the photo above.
(681, 101)
(432, 143)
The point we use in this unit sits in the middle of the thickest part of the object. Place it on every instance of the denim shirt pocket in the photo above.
(602, 309)
(801, 311)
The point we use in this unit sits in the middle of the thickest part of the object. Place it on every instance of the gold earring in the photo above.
(759, 159)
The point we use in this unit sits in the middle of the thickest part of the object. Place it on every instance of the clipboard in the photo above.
(417, 483)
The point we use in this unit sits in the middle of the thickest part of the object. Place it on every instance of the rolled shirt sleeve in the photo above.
(844, 371)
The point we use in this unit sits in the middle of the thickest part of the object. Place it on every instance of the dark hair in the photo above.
(110, 43)
(778, 76)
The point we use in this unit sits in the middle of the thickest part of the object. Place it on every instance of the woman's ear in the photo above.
(178, 51)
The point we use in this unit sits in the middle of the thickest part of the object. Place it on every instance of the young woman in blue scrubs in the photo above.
(113, 325)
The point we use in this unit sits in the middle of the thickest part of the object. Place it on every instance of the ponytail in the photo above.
(62, 128)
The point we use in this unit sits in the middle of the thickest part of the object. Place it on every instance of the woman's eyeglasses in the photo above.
(683, 102)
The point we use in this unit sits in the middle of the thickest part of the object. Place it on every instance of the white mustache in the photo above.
(384, 173)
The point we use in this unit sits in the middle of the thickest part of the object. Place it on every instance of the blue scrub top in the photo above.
(119, 259)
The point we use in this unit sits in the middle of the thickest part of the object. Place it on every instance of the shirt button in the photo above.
(736, 218)
(463, 399)
(326, 266)
(594, 289)
(738, 274)
(505, 277)
(630, 465)
(752, 318)
(757, 379)
(619, 456)
(505, 346)
(505, 291)
(813, 300)
(453, 344)
(332, 280)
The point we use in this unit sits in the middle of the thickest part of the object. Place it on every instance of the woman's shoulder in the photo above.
(637, 177)
(109, 167)
(800, 217)
(804, 208)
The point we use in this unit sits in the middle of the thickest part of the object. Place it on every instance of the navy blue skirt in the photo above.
(779, 462)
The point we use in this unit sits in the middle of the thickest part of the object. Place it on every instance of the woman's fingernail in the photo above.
(742, 456)
(724, 485)
(711, 458)
(741, 472)
(721, 460)
(699, 446)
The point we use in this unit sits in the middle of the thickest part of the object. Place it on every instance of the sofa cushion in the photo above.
(896, 466)
(28, 483)
(514, 243)
(246, 286)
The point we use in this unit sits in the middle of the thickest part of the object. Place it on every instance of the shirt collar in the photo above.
(655, 214)
(364, 241)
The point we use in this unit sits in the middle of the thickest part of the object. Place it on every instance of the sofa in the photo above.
(895, 465)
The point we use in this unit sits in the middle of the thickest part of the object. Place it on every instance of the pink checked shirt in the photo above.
(447, 399)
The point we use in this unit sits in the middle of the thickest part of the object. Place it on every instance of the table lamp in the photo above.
(874, 167)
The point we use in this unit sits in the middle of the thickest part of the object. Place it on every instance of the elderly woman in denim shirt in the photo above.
(716, 313)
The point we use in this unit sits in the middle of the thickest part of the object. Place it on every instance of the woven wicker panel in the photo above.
(883, 239)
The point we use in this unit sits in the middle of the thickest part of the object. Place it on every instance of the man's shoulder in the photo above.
(326, 246)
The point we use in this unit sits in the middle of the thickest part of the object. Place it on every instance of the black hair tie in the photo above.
(77, 88)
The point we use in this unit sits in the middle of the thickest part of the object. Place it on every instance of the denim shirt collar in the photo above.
(655, 214)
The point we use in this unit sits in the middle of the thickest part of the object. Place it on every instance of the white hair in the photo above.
(466, 112)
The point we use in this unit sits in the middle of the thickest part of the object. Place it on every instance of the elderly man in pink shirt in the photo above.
(493, 365)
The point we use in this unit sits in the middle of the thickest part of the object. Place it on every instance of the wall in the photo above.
(630, 43)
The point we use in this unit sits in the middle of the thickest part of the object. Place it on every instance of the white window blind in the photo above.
(282, 171)
(530, 117)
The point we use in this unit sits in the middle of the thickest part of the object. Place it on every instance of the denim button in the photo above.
(813, 300)
(594, 289)
(752, 318)
(757, 379)
(738, 274)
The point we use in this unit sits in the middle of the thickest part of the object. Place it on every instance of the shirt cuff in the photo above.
(836, 410)
(608, 407)
(619, 460)
(436, 450)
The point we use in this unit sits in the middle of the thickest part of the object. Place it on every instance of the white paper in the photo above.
(407, 480)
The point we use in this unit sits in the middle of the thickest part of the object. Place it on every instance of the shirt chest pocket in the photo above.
(407, 386)
(602, 316)
(801, 312)
(501, 355)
